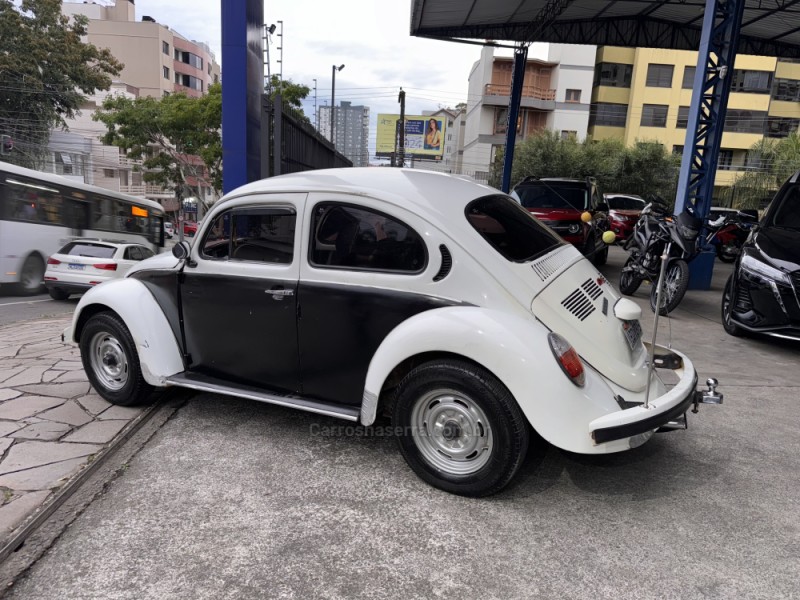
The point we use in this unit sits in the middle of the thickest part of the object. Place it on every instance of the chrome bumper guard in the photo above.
(665, 413)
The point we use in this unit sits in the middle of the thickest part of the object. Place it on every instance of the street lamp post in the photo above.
(333, 101)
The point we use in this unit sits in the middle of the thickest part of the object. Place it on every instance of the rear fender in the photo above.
(513, 348)
(159, 351)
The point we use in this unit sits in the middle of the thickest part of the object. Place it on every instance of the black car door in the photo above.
(239, 297)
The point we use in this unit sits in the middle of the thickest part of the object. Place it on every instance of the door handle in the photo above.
(279, 293)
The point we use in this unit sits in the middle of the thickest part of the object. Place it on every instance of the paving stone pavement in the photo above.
(51, 421)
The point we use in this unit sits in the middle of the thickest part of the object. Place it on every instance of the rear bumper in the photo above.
(637, 419)
(67, 286)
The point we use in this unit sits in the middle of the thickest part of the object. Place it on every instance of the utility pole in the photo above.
(401, 150)
(280, 54)
(333, 102)
(316, 124)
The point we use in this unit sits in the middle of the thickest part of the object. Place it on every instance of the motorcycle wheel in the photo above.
(727, 253)
(628, 281)
(676, 282)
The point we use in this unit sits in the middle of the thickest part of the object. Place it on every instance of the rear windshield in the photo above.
(89, 250)
(510, 229)
(553, 194)
(624, 203)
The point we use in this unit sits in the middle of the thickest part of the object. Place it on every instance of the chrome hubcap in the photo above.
(108, 361)
(451, 432)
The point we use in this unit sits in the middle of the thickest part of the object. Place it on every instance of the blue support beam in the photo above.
(722, 23)
(517, 79)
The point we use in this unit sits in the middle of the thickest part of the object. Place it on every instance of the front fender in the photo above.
(516, 350)
(159, 351)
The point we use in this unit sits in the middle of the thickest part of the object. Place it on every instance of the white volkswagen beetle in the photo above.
(359, 292)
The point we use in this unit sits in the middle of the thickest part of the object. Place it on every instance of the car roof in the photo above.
(99, 241)
(437, 197)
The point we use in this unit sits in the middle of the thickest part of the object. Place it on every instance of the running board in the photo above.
(204, 383)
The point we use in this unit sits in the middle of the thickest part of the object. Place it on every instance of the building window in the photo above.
(725, 160)
(165, 48)
(786, 89)
(683, 117)
(677, 150)
(659, 75)
(780, 127)
(751, 82)
(745, 121)
(568, 134)
(166, 72)
(608, 115)
(189, 81)
(108, 173)
(654, 115)
(688, 77)
(573, 95)
(613, 74)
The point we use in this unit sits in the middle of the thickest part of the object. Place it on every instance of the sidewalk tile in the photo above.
(94, 404)
(27, 377)
(70, 376)
(49, 376)
(8, 373)
(70, 412)
(96, 432)
(7, 427)
(69, 365)
(42, 431)
(7, 394)
(27, 455)
(42, 478)
(13, 513)
(4, 444)
(120, 412)
(60, 390)
(27, 406)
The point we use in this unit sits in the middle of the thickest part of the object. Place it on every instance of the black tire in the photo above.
(450, 399)
(628, 281)
(601, 256)
(31, 277)
(676, 282)
(57, 294)
(727, 305)
(110, 360)
(727, 257)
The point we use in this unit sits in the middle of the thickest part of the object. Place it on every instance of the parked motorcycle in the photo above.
(655, 233)
(729, 232)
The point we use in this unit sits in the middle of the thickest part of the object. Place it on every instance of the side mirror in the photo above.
(181, 250)
(748, 214)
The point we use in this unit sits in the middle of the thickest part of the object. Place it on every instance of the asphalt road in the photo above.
(235, 499)
(15, 308)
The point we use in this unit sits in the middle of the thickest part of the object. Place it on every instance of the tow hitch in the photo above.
(709, 396)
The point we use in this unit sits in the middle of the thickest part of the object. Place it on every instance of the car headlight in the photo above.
(574, 227)
(763, 270)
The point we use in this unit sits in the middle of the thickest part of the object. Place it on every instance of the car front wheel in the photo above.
(462, 431)
(727, 310)
(110, 360)
(57, 294)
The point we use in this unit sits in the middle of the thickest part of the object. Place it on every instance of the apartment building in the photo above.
(157, 59)
(351, 130)
(556, 95)
(643, 94)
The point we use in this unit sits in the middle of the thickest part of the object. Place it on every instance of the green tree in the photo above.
(45, 73)
(773, 161)
(292, 93)
(177, 138)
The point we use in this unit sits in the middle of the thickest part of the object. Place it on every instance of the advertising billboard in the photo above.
(424, 136)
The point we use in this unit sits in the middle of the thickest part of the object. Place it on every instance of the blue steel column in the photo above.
(242, 63)
(712, 84)
(517, 79)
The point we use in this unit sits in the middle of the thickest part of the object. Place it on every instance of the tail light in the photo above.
(106, 266)
(567, 358)
(53, 261)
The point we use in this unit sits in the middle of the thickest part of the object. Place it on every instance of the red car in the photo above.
(623, 213)
(559, 204)
(189, 228)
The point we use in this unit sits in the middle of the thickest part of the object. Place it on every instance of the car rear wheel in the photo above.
(727, 310)
(462, 431)
(109, 357)
(31, 276)
(628, 281)
(676, 282)
(57, 294)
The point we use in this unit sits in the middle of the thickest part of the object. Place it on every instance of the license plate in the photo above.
(633, 333)
(76, 267)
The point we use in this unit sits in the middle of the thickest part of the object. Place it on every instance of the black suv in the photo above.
(559, 204)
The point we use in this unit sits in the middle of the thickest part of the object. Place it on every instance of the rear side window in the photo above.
(510, 229)
(89, 250)
(361, 238)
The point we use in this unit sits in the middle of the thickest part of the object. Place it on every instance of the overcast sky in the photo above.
(369, 37)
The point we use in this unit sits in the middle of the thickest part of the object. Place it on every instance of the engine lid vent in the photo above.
(548, 265)
(447, 263)
(581, 302)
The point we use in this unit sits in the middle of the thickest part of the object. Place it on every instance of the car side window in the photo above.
(252, 234)
(360, 238)
(133, 253)
(146, 253)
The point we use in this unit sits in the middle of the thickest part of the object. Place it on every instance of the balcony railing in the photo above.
(528, 91)
(146, 190)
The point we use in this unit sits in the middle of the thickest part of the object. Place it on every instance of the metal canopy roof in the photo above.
(769, 27)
